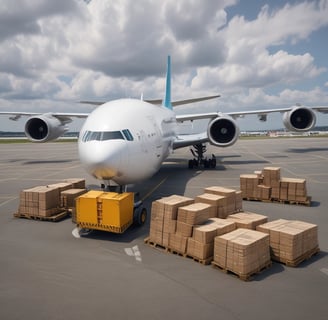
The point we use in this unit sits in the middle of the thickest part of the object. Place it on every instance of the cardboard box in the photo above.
(199, 250)
(67, 197)
(216, 202)
(242, 251)
(178, 242)
(212, 228)
(194, 214)
(248, 220)
(77, 183)
(184, 229)
(290, 239)
(270, 175)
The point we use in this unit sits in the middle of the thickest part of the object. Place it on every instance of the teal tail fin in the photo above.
(167, 98)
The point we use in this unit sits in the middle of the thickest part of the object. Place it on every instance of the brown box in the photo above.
(184, 229)
(217, 202)
(61, 186)
(199, 250)
(67, 197)
(194, 214)
(242, 251)
(77, 183)
(177, 242)
(172, 204)
(222, 191)
(206, 232)
(289, 239)
(270, 175)
(248, 220)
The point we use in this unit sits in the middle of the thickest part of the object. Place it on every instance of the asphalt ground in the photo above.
(47, 273)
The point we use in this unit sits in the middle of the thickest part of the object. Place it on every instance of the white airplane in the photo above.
(125, 141)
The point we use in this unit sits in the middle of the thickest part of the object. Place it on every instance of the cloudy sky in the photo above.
(256, 54)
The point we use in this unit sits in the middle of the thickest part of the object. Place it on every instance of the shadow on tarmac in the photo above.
(305, 150)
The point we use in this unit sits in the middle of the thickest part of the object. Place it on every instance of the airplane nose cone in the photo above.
(101, 160)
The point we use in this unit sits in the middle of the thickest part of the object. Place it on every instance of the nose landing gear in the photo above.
(199, 159)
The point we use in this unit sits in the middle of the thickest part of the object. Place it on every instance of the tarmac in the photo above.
(48, 272)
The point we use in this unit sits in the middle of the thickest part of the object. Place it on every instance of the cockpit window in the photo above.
(107, 135)
(128, 135)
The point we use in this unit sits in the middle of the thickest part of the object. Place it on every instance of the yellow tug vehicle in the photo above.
(108, 211)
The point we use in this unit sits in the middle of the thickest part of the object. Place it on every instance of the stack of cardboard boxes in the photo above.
(248, 220)
(240, 243)
(164, 214)
(201, 245)
(243, 252)
(232, 201)
(291, 241)
(47, 201)
(269, 185)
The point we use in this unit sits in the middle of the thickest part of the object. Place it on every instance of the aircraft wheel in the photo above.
(213, 163)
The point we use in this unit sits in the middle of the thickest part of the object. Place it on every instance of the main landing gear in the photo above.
(199, 159)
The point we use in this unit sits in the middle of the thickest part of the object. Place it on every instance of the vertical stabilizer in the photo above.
(167, 98)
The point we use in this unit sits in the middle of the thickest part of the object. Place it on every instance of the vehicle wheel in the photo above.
(141, 217)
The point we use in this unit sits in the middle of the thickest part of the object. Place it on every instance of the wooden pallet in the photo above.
(292, 202)
(300, 259)
(155, 245)
(202, 261)
(244, 277)
(54, 218)
(167, 249)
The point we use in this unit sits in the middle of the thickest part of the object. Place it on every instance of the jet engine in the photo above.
(45, 128)
(223, 131)
(299, 119)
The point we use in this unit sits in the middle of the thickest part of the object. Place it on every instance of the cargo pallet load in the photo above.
(291, 241)
(53, 202)
(268, 186)
(108, 211)
(242, 252)
(213, 229)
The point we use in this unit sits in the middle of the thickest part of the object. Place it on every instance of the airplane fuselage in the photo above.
(126, 140)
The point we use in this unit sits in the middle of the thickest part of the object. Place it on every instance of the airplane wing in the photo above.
(60, 116)
(185, 140)
(241, 114)
(225, 130)
(160, 101)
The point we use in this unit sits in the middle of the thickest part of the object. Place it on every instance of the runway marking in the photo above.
(154, 189)
(134, 252)
(325, 271)
(9, 200)
(78, 232)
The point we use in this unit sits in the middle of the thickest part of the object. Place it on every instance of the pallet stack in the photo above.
(243, 252)
(269, 185)
(188, 217)
(164, 213)
(40, 201)
(241, 243)
(232, 201)
(291, 242)
(45, 202)
(201, 245)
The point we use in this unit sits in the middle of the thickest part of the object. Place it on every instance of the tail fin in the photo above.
(167, 98)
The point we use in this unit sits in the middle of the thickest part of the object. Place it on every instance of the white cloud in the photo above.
(72, 50)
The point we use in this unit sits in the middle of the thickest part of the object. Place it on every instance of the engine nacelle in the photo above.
(299, 119)
(44, 128)
(223, 131)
